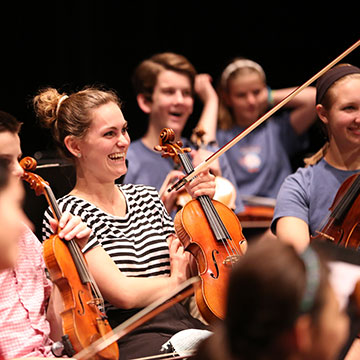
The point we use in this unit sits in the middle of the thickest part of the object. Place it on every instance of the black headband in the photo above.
(330, 77)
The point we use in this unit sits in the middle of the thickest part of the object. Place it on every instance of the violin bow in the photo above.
(179, 293)
(203, 165)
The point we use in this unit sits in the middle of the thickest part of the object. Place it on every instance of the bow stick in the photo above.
(253, 126)
(179, 293)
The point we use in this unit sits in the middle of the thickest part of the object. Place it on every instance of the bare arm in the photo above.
(129, 292)
(294, 231)
(303, 113)
(209, 115)
(54, 309)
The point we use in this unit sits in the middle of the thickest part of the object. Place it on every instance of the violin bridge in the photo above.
(230, 260)
(326, 236)
(95, 301)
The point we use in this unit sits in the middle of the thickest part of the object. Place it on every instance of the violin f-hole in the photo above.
(213, 253)
(82, 310)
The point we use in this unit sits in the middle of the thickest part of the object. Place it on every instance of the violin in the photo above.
(83, 317)
(225, 190)
(343, 224)
(211, 232)
(256, 214)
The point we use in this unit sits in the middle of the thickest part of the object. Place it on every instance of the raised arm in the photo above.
(209, 115)
(303, 113)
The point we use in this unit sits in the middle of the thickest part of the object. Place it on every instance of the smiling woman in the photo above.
(133, 252)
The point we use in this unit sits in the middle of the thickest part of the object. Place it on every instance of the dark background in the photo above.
(71, 44)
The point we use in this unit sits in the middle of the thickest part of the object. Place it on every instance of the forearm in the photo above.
(208, 120)
(122, 291)
(210, 100)
(293, 231)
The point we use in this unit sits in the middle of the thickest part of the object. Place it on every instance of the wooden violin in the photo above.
(256, 213)
(225, 191)
(83, 316)
(343, 223)
(211, 232)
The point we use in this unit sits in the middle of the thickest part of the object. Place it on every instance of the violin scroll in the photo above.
(168, 147)
(37, 183)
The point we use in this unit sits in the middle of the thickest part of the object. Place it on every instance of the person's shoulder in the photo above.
(302, 174)
(28, 239)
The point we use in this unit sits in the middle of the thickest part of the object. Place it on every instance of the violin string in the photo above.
(90, 279)
(342, 206)
(348, 198)
(187, 164)
(212, 215)
(226, 238)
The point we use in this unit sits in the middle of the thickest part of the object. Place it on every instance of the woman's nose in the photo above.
(17, 170)
(123, 140)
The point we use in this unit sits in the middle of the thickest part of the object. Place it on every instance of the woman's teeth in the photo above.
(117, 156)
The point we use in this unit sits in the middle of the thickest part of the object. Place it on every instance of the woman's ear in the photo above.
(72, 145)
(303, 336)
(144, 103)
(322, 113)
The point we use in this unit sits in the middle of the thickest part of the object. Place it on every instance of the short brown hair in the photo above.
(9, 123)
(146, 73)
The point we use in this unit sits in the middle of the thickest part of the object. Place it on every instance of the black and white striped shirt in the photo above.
(137, 242)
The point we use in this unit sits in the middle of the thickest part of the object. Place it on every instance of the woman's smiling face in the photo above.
(104, 147)
(343, 117)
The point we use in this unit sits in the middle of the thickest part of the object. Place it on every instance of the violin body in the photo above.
(82, 320)
(343, 225)
(213, 259)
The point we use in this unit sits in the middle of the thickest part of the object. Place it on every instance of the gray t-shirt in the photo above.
(309, 193)
(260, 161)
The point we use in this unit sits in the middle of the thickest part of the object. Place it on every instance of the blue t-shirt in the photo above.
(309, 193)
(147, 167)
(260, 161)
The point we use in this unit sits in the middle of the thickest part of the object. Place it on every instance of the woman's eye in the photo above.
(109, 133)
(125, 129)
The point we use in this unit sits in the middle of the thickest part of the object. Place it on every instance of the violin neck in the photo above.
(52, 202)
(212, 216)
(72, 245)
